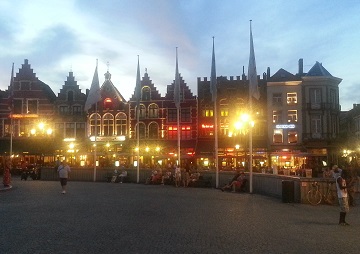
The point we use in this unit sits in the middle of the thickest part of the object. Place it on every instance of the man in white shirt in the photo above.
(63, 171)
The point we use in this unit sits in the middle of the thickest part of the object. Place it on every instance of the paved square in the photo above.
(136, 218)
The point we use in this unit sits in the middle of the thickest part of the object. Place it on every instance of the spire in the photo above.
(177, 83)
(138, 84)
(252, 75)
(213, 83)
(94, 93)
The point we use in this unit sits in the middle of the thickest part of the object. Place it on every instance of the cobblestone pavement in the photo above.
(136, 218)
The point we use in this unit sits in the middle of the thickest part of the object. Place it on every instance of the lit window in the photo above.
(277, 116)
(291, 98)
(292, 116)
(278, 136)
(292, 137)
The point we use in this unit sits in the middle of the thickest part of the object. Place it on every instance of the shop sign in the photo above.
(285, 126)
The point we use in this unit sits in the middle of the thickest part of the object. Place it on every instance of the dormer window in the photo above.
(108, 104)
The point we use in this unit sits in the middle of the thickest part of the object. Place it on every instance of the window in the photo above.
(142, 131)
(153, 130)
(172, 132)
(77, 110)
(277, 99)
(207, 113)
(224, 112)
(108, 103)
(224, 108)
(292, 137)
(185, 115)
(185, 132)
(69, 130)
(80, 130)
(277, 116)
(108, 125)
(292, 116)
(224, 127)
(95, 124)
(146, 93)
(291, 98)
(172, 115)
(153, 111)
(142, 111)
(278, 136)
(17, 109)
(32, 107)
(63, 110)
(120, 123)
(315, 97)
(316, 126)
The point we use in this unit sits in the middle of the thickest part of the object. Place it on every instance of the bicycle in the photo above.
(315, 196)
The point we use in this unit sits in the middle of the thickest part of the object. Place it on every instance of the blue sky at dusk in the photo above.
(58, 36)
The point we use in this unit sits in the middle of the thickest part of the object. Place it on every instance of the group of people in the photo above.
(178, 176)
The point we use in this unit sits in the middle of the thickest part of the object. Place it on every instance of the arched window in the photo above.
(95, 120)
(153, 111)
(142, 131)
(146, 92)
(108, 125)
(142, 111)
(121, 124)
(70, 96)
(108, 103)
(153, 130)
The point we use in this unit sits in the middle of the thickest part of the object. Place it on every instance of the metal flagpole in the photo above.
(138, 97)
(177, 104)
(11, 112)
(95, 141)
(138, 143)
(253, 92)
(213, 89)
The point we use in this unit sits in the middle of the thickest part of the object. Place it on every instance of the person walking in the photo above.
(63, 171)
(7, 174)
(342, 195)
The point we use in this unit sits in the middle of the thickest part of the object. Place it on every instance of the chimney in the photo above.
(301, 66)
(268, 72)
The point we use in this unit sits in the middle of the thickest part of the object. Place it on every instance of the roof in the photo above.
(283, 75)
(318, 70)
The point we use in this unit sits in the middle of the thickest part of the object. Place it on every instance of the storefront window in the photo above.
(292, 137)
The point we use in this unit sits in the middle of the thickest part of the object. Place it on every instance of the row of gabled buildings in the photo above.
(295, 122)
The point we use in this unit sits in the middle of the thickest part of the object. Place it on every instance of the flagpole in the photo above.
(138, 143)
(138, 98)
(213, 89)
(177, 104)
(95, 139)
(253, 91)
(11, 111)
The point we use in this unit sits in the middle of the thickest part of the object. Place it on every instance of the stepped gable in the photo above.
(27, 76)
(71, 85)
(108, 90)
(184, 91)
(147, 82)
(318, 71)
(283, 75)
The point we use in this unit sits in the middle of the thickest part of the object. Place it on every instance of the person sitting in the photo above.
(115, 176)
(122, 176)
(167, 178)
(236, 183)
(194, 178)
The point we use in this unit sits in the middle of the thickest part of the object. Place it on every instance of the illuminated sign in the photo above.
(206, 126)
(285, 126)
(24, 116)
